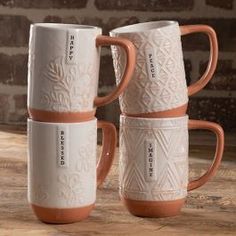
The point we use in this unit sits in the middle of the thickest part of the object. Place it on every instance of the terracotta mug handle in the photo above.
(130, 65)
(215, 128)
(109, 141)
(202, 82)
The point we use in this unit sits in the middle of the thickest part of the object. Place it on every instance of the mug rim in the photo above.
(140, 123)
(144, 27)
(145, 119)
(30, 120)
(62, 26)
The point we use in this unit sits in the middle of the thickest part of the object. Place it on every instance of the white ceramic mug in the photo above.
(153, 163)
(63, 71)
(158, 86)
(62, 176)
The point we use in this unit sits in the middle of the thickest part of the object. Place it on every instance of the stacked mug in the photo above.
(63, 76)
(62, 127)
(153, 174)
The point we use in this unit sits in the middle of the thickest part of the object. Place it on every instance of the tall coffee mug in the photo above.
(62, 176)
(158, 86)
(154, 163)
(63, 71)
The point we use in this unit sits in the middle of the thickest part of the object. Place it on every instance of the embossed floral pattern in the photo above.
(68, 87)
(39, 193)
(84, 163)
(70, 188)
(89, 87)
(73, 185)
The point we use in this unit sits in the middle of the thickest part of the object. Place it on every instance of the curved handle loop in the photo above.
(215, 128)
(202, 82)
(109, 141)
(130, 65)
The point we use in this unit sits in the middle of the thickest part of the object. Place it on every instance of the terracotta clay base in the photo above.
(154, 208)
(175, 112)
(62, 216)
(60, 117)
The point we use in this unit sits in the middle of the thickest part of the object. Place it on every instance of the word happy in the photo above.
(71, 48)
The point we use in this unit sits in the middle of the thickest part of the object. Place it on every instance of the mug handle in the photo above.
(209, 31)
(109, 141)
(217, 129)
(130, 65)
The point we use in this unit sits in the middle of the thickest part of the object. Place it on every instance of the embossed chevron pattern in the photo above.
(164, 89)
(171, 158)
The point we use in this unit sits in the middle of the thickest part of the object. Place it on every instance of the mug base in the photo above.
(153, 209)
(61, 117)
(174, 112)
(61, 215)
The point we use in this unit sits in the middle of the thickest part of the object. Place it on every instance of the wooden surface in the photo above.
(210, 210)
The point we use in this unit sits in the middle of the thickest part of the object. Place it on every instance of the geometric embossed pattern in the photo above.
(167, 89)
(171, 158)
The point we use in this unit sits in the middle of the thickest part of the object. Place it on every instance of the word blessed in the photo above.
(62, 148)
(150, 160)
(71, 48)
(151, 67)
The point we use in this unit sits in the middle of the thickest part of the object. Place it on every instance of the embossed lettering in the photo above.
(71, 47)
(62, 146)
(151, 67)
(150, 160)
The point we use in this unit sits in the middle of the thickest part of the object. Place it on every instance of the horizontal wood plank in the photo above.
(209, 210)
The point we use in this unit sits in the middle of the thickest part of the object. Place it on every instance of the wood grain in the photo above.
(210, 210)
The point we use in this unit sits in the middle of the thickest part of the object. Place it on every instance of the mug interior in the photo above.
(140, 27)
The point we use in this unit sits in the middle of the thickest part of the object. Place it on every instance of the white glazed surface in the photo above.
(54, 84)
(167, 89)
(169, 138)
(56, 186)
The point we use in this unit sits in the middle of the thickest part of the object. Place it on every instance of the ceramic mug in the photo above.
(158, 86)
(62, 173)
(63, 71)
(153, 179)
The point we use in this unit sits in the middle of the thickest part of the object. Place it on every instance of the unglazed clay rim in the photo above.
(174, 112)
(144, 27)
(59, 215)
(159, 209)
(60, 117)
